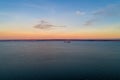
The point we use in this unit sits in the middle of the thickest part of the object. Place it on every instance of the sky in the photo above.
(59, 19)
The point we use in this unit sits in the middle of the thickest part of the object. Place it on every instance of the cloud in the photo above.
(89, 22)
(110, 10)
(44, 25)
(79, 13)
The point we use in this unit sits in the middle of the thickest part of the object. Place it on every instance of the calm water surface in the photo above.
(47, 60)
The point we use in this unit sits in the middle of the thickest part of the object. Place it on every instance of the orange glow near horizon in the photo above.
(58, 36)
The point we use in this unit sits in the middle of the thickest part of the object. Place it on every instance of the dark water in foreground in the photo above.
(59, 61)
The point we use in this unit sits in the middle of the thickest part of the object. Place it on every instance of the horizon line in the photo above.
(59, 39)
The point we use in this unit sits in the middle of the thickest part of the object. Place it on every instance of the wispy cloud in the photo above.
(89, 22)
(44, 25)
(80, 13)
(108, 11)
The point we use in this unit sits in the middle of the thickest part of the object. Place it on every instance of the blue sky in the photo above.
(78, 16)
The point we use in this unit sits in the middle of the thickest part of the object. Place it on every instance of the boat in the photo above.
(67, 41)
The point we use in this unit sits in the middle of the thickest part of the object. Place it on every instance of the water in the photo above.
(47, 60)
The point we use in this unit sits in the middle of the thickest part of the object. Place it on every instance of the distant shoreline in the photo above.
(63, 40)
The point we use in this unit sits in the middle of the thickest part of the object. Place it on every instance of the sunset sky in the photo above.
(59, 19)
